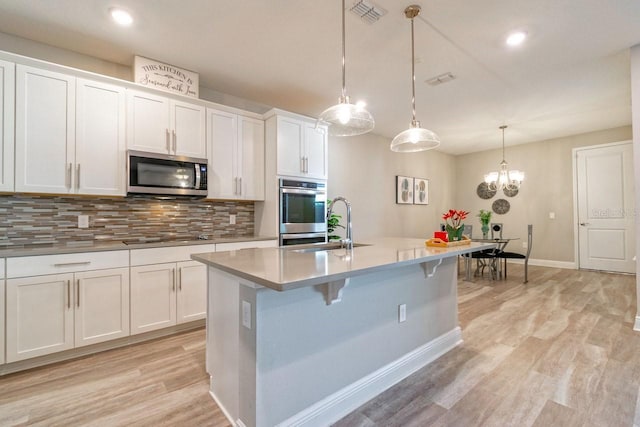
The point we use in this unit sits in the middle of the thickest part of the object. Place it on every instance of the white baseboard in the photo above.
(570, 265)
(344, 401)
(226, 413)
(636, 327)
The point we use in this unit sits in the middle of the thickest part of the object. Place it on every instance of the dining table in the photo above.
(494, 265)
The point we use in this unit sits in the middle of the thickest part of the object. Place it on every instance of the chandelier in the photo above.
(504, 178)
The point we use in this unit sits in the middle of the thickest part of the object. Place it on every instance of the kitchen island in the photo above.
(300, 336)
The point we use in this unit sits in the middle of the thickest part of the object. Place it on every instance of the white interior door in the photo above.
(606, 232)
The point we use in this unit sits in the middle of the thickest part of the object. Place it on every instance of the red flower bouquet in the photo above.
(453, 223)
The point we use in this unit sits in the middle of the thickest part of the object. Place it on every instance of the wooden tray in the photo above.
(439, 243)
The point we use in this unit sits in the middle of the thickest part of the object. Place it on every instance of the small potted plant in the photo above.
(333, 222)
(454, 226)
(485, 217)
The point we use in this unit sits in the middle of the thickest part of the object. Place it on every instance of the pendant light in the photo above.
(415, 138)
(504, 178)
(344, 118)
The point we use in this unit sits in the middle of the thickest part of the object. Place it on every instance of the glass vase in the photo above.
(485, 231)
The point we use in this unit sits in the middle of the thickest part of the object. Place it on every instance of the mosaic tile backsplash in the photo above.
(36, 219)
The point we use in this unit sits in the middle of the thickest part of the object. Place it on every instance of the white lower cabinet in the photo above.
(75, 300)
(164, 293)
(2, 326)
(51, 313)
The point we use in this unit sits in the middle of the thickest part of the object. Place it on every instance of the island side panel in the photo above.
(307, 350)
(222, 351)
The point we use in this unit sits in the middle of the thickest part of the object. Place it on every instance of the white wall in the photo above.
(635, 108)
(363, 169)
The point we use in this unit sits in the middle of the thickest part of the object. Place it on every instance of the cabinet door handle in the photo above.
(301, 164)
(71, 264)
(173, 271)
(240, 186)
(235, 185)
(68, 293)
(168, 141)
(78, 292)
(180, 279)
(78, 176)
(175, 141)
(584, 224)
(68, 176)
(306, 165)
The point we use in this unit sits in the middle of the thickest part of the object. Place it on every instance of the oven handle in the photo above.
(300, 191)
(301, 236)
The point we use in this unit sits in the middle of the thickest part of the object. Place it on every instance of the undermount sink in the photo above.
(322, 247)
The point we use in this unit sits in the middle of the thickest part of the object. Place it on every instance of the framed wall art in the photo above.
(404, 190)
(420, 191)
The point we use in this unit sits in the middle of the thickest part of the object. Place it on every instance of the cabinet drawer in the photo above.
(221, 247)
(65, 263)
(168, 254)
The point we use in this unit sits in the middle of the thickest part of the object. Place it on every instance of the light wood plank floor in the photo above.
(559, 351)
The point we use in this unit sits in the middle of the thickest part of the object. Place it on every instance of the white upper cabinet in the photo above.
(158, 124)
(100, 161)
(69, 134)
(45, 131)
(188, 129)
(236, 144)
(315, 139)
(301, 148)
(7, 142)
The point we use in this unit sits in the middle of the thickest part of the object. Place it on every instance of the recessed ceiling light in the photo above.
(515, 39)
(122, 17)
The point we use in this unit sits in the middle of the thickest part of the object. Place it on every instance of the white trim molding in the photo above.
(344, 401)
(570, 265)
(636, 327)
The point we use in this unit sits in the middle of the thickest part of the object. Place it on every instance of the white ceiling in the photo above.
(571, 76)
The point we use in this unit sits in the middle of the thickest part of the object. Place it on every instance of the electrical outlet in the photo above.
(402, 313)
(246, 314)
(525, 245)
(552, 215)
(232, 219)
(83, 221)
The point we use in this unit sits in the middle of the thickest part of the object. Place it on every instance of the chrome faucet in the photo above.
(348, 241)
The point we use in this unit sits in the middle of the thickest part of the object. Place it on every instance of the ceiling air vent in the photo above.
(442, 78)
(367, 11)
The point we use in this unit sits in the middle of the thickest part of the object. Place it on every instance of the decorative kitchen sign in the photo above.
(169, 78)
(404, 190)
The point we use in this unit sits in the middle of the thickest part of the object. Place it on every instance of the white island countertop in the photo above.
(293, 267)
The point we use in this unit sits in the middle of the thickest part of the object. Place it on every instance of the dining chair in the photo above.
(515, 255)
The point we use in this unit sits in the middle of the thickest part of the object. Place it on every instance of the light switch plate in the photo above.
(402, 313)
(246, 314)
(232, 219)
(83, 221)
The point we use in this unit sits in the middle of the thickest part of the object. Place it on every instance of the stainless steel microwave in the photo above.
(163, 174)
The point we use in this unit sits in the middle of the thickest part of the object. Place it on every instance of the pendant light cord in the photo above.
(503, 127)
(344, 64)
(413, 77)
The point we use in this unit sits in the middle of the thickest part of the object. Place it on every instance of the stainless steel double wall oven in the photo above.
(303, 210)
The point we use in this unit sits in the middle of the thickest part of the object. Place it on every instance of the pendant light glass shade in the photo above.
(415, 138)
(345, 118)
